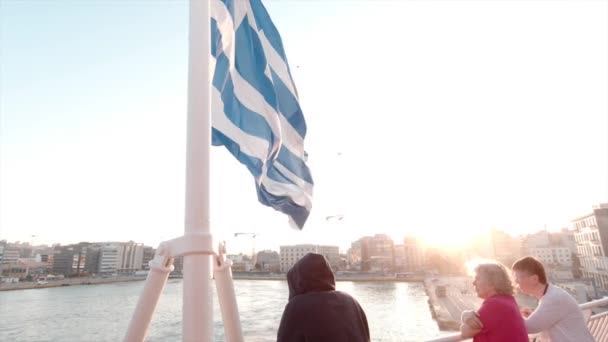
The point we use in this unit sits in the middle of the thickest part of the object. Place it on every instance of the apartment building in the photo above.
(372, 253)
(414, 254)
(591, 237)
(291, 254)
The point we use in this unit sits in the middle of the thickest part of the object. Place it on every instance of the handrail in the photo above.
(456, 337)
(594, 303)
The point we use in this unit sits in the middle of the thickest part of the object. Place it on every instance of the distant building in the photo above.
(14, 270)
(560, 274)
(268, 261)
(132, 255)
(109, 254)
(50, 257)
(591, 236)
(26, 251)
(332, 254)
(375, 253)
(446, 261)
(399, 258)
(148, 255)
(10, 256)
(414, 254)
(178, 264)
(506, 248)
(23, 269)
(291, 254)
(240, 262)
(557, 252)
(539, 239)
(553, 255)
(62, 260)
(70, 260)
(35, 269)
(91, 265)
(120, 257)
(381, 253)
(354, 255)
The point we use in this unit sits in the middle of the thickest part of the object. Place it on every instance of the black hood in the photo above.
(312, 273)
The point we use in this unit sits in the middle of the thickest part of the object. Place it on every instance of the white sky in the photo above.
(435, 118)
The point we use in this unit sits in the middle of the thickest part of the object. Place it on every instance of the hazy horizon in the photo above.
(343, 247)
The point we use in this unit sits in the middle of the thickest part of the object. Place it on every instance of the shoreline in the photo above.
(68, 282)
(237, 276)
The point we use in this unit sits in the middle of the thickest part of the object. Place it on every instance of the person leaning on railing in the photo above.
(558, 318)
(498, 319)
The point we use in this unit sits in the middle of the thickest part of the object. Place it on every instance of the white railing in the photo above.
(597, 324)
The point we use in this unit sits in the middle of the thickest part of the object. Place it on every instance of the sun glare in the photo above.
(452, 238)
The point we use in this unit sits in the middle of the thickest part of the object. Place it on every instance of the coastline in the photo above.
(235, 276)
(68, 282)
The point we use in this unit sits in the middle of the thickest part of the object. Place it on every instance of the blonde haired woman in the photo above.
(498, 319)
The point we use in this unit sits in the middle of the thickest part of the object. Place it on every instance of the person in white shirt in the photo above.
(557, 318)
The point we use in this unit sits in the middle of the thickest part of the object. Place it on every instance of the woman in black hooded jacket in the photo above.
(316, 312)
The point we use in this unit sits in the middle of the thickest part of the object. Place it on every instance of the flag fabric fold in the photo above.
(255, 112)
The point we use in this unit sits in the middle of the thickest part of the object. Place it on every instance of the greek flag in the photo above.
(254, 106)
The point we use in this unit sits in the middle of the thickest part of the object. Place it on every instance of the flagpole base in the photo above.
(195, 245)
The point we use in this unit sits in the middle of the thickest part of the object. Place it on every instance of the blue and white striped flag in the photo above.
(254, 105)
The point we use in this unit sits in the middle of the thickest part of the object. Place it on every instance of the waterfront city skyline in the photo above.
(438, 119)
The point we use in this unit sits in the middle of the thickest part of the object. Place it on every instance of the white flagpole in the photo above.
(197, 321)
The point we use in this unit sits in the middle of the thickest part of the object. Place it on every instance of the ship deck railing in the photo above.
(597, 323)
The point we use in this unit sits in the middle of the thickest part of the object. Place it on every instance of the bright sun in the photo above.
(446, 237)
